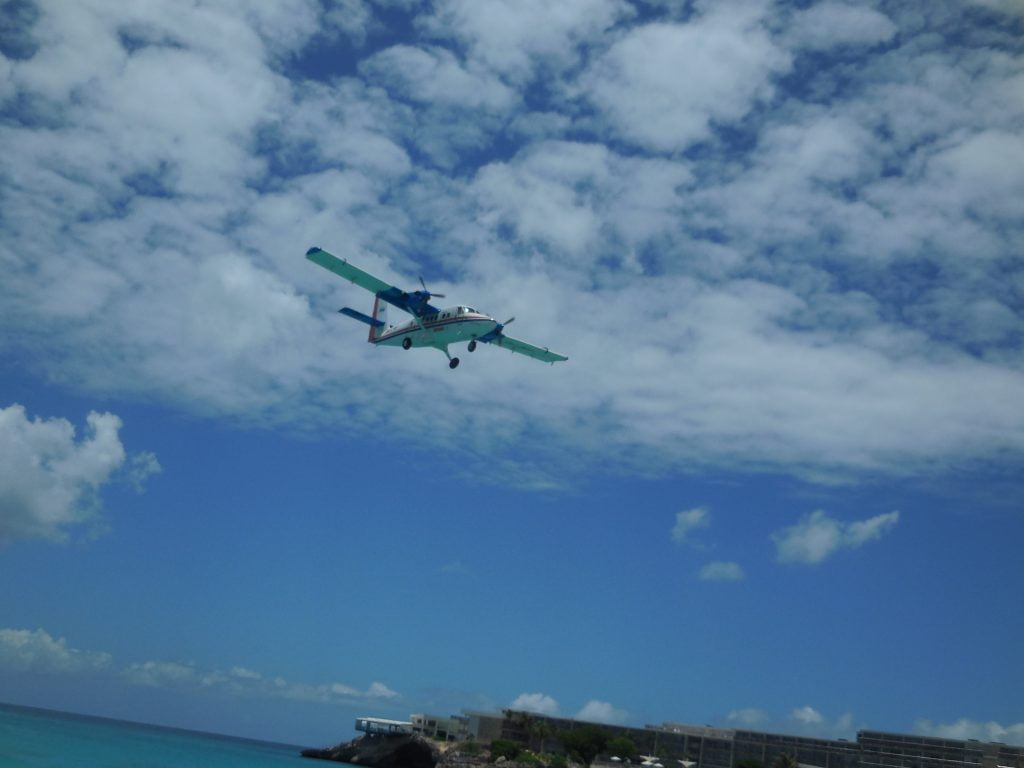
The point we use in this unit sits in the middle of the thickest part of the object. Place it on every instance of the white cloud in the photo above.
(244, 674)
(818, 536)
(434, 75)
(722, 571)
(353, 18)
(517, 37)
(825, 287)
(807, 715)
(540, 703)
(142, 466)
(1011, 7)
(601, 712)
(748, 717)
(973, 729)
(833, 23)
(37, 651)
(163, 674)
(689, 520)
(564, 195)
(662, 85)
(380, 691)
(49, 482)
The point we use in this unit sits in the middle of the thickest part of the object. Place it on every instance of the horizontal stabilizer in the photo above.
(361, 317)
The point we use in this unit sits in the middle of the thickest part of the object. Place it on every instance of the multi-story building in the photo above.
(452, 727)
(690, 746)
(898, 750)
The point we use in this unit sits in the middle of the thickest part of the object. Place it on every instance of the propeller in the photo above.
(438, 295)
(501, 327)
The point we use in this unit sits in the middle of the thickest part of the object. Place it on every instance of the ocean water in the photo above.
(37, 738)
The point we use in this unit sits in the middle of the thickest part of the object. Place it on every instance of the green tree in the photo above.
(586, 742)
(749, 762)
(785, 760)
(504, 748)
(620, 746)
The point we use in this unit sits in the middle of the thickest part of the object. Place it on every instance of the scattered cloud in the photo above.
(36, 651)
(516, 39)
(162, 674)
(601, 712)
(818, 536)
(807, 715)
(662, 85)
(380, 691)
(972, 729)
(722, 571)
(831, 23)
(688, 521)
(535, 702)
(50, 482)
(748, 717)
(140, 467)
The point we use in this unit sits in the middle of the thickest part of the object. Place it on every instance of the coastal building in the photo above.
(691, 746)
(446, 728)
(898, 750)
(373, 725)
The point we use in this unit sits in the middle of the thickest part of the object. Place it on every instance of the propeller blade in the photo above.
(510, 320)
(438, 295)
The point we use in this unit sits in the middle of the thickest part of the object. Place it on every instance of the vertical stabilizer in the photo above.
(380, 313)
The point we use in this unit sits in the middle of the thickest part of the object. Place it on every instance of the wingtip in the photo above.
(313, 250)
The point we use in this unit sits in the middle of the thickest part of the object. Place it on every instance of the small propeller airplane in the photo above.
(430, 326)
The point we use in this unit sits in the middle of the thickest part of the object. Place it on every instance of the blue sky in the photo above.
(777, 485)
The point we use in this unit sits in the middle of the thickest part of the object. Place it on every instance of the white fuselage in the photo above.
(448, 326)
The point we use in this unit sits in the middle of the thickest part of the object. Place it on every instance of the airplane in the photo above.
(430, 326)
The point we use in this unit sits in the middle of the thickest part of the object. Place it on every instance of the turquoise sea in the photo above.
(38, 738)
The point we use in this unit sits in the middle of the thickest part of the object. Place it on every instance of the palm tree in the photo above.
(543, 729)
(785, 760)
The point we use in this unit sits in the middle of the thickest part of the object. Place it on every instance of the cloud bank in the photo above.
(36, 651)
(769, 239)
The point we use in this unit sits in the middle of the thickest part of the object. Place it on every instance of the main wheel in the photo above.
(453, 363)
(472, 345)
(406, 343)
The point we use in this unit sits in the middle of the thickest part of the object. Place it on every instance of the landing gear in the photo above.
(406, 343)
(453, 363)
(472, 345)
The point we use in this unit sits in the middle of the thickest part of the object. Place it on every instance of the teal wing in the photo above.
(522, 348)
(342, 268)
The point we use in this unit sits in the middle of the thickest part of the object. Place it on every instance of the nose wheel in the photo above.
(406, 343)
(472, 345)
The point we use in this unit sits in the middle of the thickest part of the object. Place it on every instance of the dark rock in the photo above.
(382, 750)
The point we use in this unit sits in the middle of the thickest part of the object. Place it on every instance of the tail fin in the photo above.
(380, 314)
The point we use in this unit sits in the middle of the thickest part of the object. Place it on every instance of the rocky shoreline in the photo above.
(404, 750)
(382, 750)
